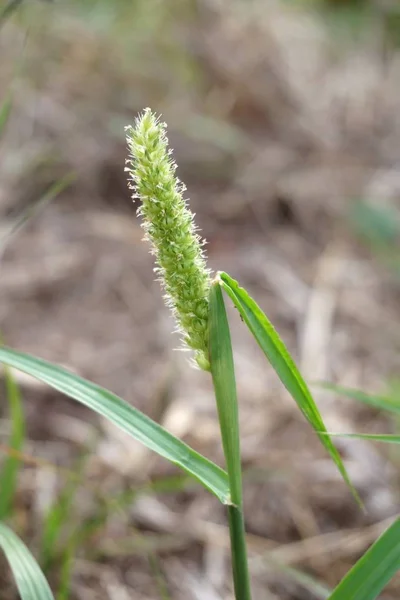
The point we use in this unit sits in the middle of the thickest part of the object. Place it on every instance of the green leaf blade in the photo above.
(386, 438)
(9, 472)
(374, 570)
(385, 403)
(283, 364)
(31, 582)
(124, 416)
(223, 375)
(224, 381)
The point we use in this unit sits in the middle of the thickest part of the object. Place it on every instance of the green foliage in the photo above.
(374, 570)
(5, 110)
(59, 517)
(280, 359)
(387, 438)
(63, 591)
(379, 228)
(304, 580)
(9, 472)
(389, 403)
(380, 225)
(8, 10)
(31, 582)
(223, 375)
(199, 308)
(127, 418)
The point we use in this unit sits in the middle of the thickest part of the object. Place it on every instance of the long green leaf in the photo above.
(223, 374)
(374, 570)
(31, 582)
(280, 359)
(9, 472)
(131, 420)
(387, 403)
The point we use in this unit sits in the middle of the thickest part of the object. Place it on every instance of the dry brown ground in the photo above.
(277, 129)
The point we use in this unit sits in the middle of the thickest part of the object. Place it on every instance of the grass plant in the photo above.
(196, 298)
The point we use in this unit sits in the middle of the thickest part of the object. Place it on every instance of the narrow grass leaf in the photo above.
(159, 577)
(126, 417)
(374, 570)
(386, 438)
(223, 374)
(31, 582)
(60, 514)
(386, 403)
(67, 561)
(280, 359)
(109, 506)
(306, 581)
(9, 472)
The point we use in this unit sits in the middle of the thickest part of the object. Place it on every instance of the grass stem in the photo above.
(241, 579)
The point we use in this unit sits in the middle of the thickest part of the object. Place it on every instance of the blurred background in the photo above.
(284, 117)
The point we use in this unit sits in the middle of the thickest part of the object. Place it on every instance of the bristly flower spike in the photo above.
(170, 228)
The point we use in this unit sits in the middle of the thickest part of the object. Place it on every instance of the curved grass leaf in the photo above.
(125, 416)
(374, 570)
(386, 403)
(280, 359)
(31, 582)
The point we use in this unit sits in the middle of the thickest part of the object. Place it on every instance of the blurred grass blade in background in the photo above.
(374, 570)
(9, 472)
(9, 10)
(67, 561)
(386, 438)
(31, 582)
(31, 211)
(308, 582)
(5, 110)
(60, 515)
(386, 403)
(128, 418)
(280, 359)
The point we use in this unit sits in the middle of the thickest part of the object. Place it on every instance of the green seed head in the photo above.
(170, 228)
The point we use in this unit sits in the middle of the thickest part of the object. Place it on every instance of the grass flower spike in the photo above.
(170, 228)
